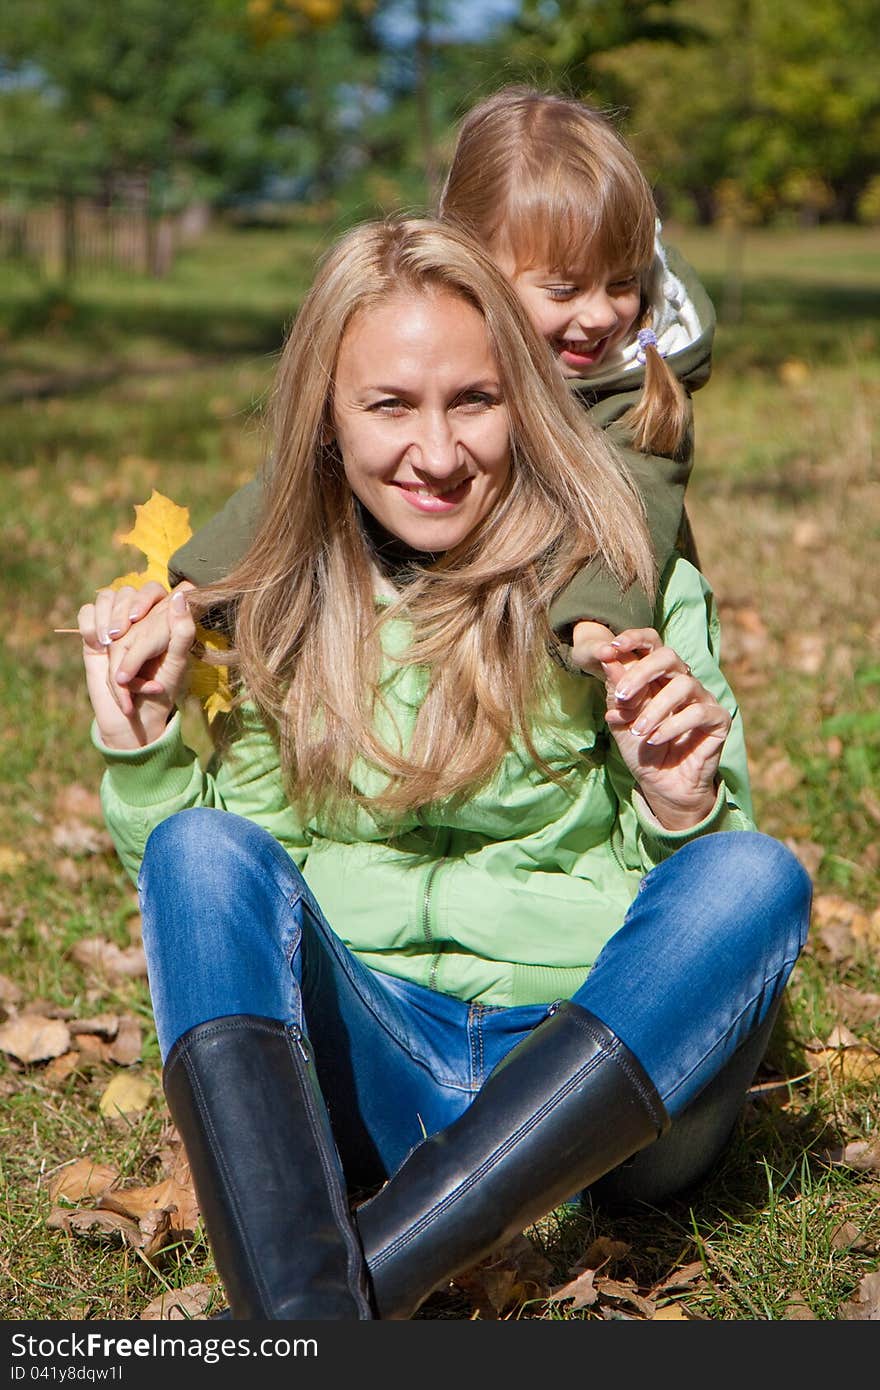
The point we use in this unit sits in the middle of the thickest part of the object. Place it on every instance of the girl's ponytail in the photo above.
(658, 423)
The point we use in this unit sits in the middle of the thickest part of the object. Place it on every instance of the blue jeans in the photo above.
(691, 982)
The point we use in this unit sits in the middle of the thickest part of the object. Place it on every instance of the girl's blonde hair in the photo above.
(545, 180)
(306, 624)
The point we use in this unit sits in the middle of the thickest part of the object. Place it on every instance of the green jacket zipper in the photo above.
(426, 920)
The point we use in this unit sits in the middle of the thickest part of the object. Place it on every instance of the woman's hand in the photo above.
(133, 626)
(669, 728)
(132, 718)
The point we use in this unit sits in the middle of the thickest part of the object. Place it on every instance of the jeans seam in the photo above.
(787, 966)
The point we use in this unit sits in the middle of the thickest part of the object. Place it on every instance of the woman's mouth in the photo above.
(435, 499)
(579, 353)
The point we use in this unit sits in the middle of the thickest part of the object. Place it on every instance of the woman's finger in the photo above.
(660, 664)
(674, 694)
(88, 629)
(146, 598)
(705, 718)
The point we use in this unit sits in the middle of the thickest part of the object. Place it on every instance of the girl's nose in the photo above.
(596, 311)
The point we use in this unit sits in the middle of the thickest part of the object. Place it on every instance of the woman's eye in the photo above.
(476, 399)
(389, 405)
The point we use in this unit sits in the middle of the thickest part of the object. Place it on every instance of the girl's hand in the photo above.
(586, 638)
(147, 713)
(669, 728)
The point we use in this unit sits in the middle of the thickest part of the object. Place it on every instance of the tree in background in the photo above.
(776, 113)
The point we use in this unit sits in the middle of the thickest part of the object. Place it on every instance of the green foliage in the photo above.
(777, 111)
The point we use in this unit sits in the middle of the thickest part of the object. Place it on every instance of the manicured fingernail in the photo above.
(622, 692)
(639, 728)
(178, 603)
(134, 615)
(115, 632)
(104, 639)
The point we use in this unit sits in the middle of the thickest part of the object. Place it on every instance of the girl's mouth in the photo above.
(578, 353)
(436, 499)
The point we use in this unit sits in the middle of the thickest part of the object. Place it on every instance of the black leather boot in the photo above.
(566, 1105)
(243, 1093)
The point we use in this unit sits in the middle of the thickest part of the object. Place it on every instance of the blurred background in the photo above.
(169, 173)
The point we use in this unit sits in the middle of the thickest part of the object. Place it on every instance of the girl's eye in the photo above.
(561, 291)
(627, 282)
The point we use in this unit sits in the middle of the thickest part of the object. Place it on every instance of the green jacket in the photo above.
(222, 541)
(505, 899)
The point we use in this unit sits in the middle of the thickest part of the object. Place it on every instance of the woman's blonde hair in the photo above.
(306, 624)
(546, 180)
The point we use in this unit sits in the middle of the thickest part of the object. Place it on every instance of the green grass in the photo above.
(119, 385)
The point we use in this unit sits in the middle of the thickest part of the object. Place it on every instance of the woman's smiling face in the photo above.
(420, 418)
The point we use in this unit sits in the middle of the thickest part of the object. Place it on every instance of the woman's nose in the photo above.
(435, 448)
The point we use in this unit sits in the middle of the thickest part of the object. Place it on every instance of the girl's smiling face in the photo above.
(583, 319)
(420, 418)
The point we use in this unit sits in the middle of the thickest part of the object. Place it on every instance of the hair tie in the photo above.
(646, 338)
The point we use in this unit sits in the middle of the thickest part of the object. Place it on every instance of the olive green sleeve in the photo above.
(594, 593)
(218, 545)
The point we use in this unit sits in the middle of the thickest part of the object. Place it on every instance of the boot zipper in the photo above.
(297, 1034)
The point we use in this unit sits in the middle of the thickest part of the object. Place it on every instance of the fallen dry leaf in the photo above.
(12, 861)
(180, 1304)
(169, 1195)
(806, 652)
(105, 1025)
(60, 1068)
(681, 1278)
(156, 1232)
(91, 1048)
(580, 1292)
(778, 776)
(10, 992)
(126, 1047)
(96, 1225)
(126, 1095)
(78, 838)
(515, 1274)
(671, 1312)
(866, 929)
(34, 1038)
(112, 961)
(845, 1058)
(79, 801)
(860, 1155)
(603, 1250)
(798, 1310)
(849, 1236)
(809, 852)
(82, 1178)
(865, 1306)
(855, 1005)
(624, 1291)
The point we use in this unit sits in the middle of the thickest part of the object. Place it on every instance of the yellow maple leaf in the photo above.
(161, 527)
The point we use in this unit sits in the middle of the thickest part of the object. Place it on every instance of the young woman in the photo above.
(441, 915)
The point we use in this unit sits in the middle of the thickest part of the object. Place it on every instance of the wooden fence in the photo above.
(70, 235)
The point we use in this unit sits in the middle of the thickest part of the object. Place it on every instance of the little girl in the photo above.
(556, 196)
